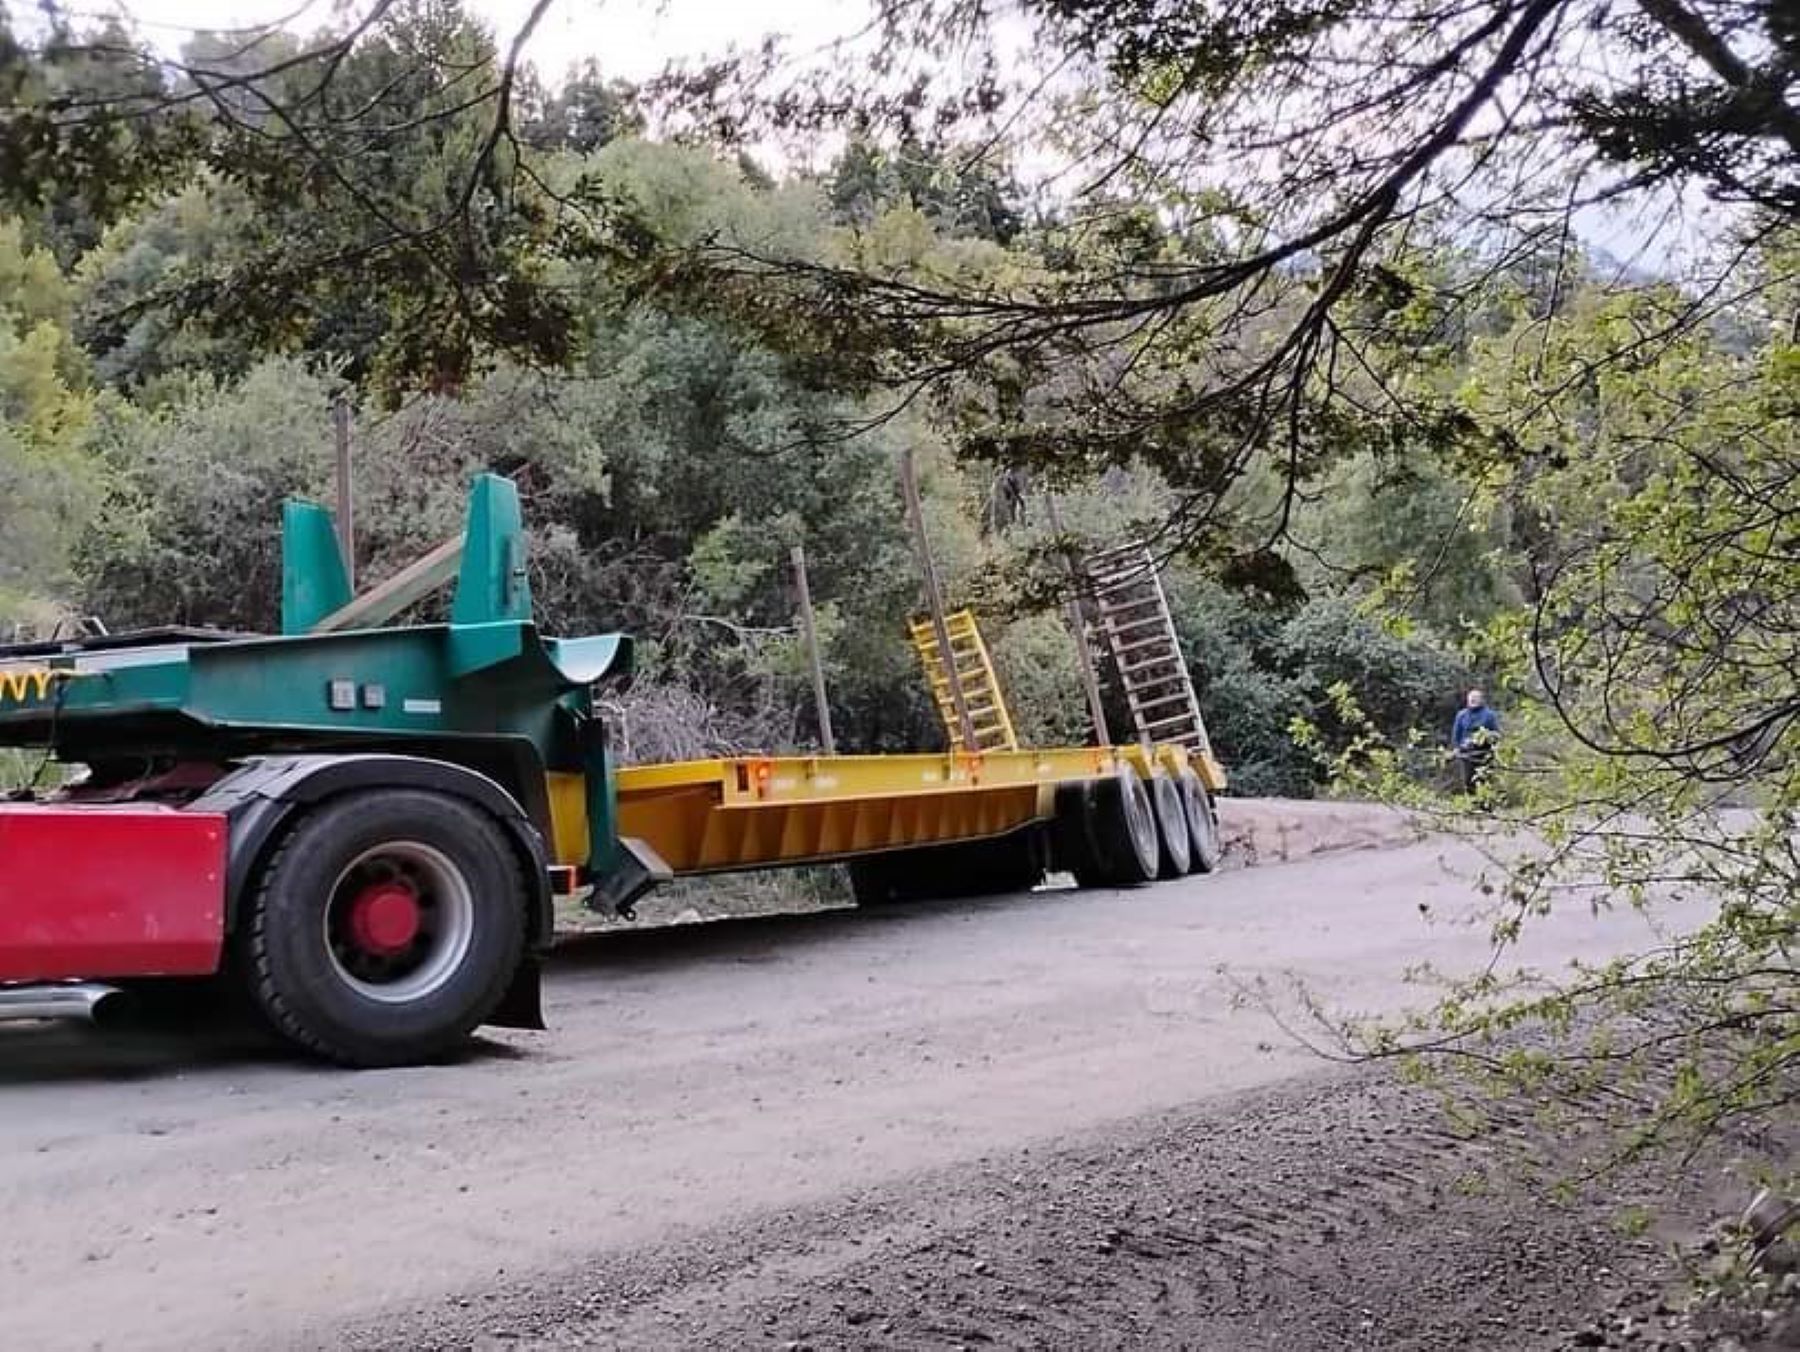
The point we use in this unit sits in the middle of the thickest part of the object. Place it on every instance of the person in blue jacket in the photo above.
(1472, 738)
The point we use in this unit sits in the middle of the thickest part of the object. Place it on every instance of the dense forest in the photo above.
(1318, 305)
(166, 387)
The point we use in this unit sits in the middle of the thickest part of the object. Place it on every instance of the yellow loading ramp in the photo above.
(989, 721)
(715, 816)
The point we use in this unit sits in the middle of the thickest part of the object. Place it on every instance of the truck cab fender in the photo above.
(259, 797)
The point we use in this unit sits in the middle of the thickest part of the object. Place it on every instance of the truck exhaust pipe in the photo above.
(84, 1000)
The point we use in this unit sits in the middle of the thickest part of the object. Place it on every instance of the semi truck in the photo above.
(366, 825)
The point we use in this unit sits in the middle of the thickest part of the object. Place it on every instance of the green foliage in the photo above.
(186, 531)
(668, 475)
(129, 316)
(1387, 448)
(959, 195)
(1402, 683)
(365, 196)
(45, 410)
(1652, 747)
(1502, 468)
(1381, 463)
(1231, 643)
(1039, 671)
(584, 112)
(71, 175)
(685, 447)
(1438, 547)
(1259, 669)
(410, 246)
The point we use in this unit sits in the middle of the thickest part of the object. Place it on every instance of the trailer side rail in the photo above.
(754, 812)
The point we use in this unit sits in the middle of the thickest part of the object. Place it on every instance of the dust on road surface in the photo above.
(696, 1081)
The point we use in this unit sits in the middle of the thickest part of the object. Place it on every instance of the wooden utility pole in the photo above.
(346, 509)
(934, 597)
(1090, 677)
(811, 631)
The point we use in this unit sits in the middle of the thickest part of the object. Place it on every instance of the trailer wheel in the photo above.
(385, 927)
(1072, 834)
(1175, 853)
(1123, 829)
(1203, 822)
(871, 882)
(1017, 861)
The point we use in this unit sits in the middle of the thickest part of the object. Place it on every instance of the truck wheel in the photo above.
(385, 927)
(1123, 828)
(1203, 822)
(1175, 853)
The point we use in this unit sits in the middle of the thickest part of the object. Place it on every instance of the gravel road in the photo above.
(923, 1126)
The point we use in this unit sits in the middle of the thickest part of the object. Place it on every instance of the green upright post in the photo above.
(493, 584)
(314, 583)
(602, 800)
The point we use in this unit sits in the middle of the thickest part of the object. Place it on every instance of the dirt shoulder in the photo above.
(1338, 1211)
(1256, 831)
(1276, 830)
(743, 1126)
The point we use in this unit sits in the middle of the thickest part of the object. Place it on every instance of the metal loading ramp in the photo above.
(1138, 630)
(714, 816)
(976, 683)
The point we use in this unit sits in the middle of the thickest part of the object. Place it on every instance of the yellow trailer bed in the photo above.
(712, 816)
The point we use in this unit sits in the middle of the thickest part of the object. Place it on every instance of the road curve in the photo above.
(207, 1192)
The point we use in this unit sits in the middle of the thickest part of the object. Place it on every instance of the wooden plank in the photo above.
(815, 664)
(385, 600)
(1148, 674)
(1136, 554)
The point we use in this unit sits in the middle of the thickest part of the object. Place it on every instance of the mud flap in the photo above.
(523, 1004)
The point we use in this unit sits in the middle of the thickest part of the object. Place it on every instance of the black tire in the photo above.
(1203, 822)
(1123, 829)
(1014, 862)
(971, 868)
(1175, 851)
(896, 876)
(872, 880)
(300, 947)
(1072, 844)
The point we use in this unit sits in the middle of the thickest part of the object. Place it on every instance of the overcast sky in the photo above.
(631, 39)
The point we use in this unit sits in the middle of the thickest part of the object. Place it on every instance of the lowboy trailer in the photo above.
(367, 826)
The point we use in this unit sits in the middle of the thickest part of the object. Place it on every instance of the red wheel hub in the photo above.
(384, 919)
